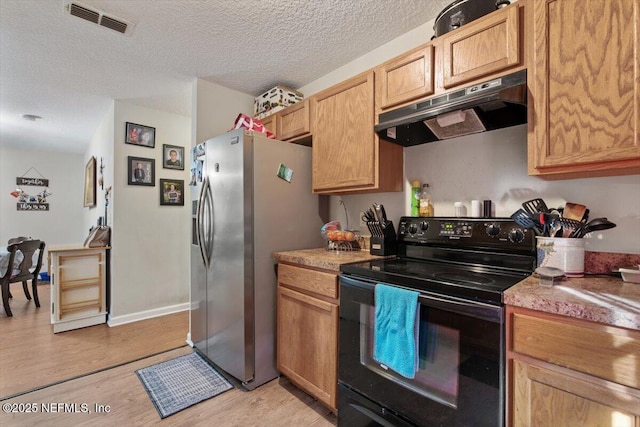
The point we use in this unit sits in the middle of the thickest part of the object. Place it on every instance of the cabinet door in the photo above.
(481, 48)
(344, 147)
(407, 78)
(271, 123)
(556, 397)
(294, 121)
(584, 81)
(308, 343)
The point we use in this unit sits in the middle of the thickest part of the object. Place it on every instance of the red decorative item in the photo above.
(251, 123)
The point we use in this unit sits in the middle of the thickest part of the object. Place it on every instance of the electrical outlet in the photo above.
(362, 223)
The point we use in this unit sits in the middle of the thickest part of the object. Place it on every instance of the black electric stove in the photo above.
(470, 258)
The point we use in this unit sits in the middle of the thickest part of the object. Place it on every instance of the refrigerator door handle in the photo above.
(199, 224)
(208, 229)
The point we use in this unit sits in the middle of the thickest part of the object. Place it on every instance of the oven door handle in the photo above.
(480, 310)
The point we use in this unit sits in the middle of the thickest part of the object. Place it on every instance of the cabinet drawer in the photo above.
(308, 280)
(602, 351)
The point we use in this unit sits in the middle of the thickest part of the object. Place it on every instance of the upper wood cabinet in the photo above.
(584, 78)
(486, 46)
(294, 121)
(348, 157)
(271, 123)
(407, 77)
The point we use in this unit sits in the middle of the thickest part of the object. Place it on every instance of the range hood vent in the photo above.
(98, 17)
(494, 104)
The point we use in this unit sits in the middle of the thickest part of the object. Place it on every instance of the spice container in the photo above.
(425, 205)
(415, 198)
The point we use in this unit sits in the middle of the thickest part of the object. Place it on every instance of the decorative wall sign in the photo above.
(38, 182)
(33, 206)
(27, 202)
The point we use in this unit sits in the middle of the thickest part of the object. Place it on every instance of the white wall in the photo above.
(58, 225)
(150, 256)
(101, 147)
(215, 108)
(492, 166)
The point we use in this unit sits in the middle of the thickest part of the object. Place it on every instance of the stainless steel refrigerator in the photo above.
(252, 197)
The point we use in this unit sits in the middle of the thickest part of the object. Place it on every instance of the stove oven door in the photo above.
(460, 377)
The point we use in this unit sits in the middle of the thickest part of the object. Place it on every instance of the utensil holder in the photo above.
(383, 239)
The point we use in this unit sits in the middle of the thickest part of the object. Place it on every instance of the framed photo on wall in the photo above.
(171, 192)
(141, 171)
(90, 183)
(173, 157)
(140, 135)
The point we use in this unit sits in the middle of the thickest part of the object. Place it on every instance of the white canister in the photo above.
(476, 208)
(564, 253)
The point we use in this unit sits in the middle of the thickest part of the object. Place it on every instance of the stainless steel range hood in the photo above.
(494, 104)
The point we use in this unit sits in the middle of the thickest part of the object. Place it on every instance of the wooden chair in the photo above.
(17, 240)
(24, 272)
(11, 242)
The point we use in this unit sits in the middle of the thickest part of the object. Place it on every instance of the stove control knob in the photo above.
(493, 229)
(424, 225)
(516, 235)
(413, 229)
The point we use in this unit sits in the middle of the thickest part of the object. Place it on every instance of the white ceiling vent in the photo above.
(98, 17)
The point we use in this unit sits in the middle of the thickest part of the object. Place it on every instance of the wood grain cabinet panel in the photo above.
(271, 123)
(307, 334)
(407, 77)
(481, 48)
(571, 372)
(294, 121)
(584, 80)
(307, 280)
(348, 156)
(545, 397)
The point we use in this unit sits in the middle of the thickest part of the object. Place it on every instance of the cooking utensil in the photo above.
(549, 223)
(368, 216)
(384, 214)
(568, 226)
(574, 211)
(595, 224)
(381, 215)
(525, 220)
(535, 206)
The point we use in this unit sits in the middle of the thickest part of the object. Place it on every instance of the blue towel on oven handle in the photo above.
(396, 329)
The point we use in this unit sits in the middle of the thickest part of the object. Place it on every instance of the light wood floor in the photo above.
(31, 356)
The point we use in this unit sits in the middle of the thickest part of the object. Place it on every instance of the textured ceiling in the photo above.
(68, 70)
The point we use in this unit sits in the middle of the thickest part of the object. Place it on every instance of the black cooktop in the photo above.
(470, 282)
(474, 259)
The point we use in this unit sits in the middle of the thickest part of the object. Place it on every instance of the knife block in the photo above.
(385, 244)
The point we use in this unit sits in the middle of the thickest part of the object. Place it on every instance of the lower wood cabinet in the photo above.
(307, 330)
(78, 287)
(571, 372)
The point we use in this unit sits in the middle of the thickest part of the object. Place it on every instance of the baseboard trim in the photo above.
(148, 314)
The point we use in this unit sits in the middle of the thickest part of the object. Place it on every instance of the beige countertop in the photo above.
(322, 258)
(601, 299)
